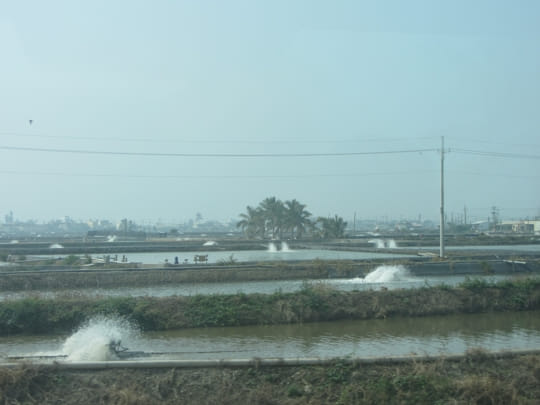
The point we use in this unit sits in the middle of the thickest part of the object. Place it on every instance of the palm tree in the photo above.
(272, 217)
(332, 227)
(297, 218)
(274, 214)
(252, 222)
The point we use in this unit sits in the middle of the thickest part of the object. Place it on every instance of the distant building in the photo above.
(481, 226)
(8, 218)
(521, 227)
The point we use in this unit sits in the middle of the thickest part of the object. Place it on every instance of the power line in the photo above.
(495, 154)
(492, 174)
(213, 155)
(224, 176)
(492, 142)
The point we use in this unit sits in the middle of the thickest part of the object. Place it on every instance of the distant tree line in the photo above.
(275, 219)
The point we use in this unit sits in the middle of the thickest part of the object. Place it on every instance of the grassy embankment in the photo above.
(115, 275)
(63, 276)
(314, 303)
(477, 378)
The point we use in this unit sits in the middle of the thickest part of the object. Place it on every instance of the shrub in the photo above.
(71, 260)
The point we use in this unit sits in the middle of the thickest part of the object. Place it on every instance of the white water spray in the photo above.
(385, 274)
(391, 243)
(285, 247)
(388, 274)
(272, 247)
(381, 243)
(92, 341)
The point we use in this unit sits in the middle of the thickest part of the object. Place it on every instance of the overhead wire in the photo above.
(212, 155)
(492, 174)
(495, 154)
(212, 176)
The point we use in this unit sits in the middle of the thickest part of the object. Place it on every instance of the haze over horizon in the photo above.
(163, 110)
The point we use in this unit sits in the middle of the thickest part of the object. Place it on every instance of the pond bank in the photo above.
(103, 277)
(313, 303)
(477, 377)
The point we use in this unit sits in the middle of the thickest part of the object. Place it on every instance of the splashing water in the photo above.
(379, 243)
(92, 341)
(387, 274)
(272, 247)
(391, 244)
(285, 247)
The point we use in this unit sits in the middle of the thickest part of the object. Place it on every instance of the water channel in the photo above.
(241, 256)
(282, 252)
(452, 334)
(386, 276)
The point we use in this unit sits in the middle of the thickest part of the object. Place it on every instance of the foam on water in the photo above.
(92, 339)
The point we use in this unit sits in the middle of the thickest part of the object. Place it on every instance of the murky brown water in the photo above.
(391, 337)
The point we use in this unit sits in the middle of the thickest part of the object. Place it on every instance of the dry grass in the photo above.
(477, 379)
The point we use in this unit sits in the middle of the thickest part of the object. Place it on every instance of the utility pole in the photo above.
(441, 253)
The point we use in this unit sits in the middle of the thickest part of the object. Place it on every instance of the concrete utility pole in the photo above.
(441, 253)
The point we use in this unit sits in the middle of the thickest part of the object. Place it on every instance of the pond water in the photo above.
(386, 276)
(256, 256)
(506, 248)
(277, 252)
(272, 254)
(452, 334)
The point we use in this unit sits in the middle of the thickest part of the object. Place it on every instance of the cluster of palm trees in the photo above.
(275, 219)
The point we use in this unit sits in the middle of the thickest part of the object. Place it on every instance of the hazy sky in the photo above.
(268, 77)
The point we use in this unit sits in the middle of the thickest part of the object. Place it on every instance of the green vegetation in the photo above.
(332, 228)
(274, 219)
(314, 302)
(228, 262)
(71, 260)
